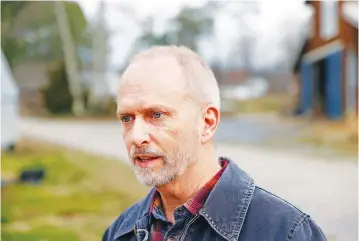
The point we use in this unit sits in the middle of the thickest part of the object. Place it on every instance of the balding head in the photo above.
(200, 81)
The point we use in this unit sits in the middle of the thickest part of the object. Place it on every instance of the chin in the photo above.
(155, 181)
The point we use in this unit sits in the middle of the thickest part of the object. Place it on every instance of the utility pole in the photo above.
(69, 49)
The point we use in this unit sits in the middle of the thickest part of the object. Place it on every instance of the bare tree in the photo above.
(243, 51)
(100, 53)
(69, 49)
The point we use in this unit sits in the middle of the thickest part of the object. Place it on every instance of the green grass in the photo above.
(41, 233)
(80, 196)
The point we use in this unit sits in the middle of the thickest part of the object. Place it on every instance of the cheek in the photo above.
(166, 136)
(183, 130)
(127, 142)
(174, 132)
(181, 133)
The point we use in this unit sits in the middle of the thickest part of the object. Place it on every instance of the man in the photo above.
(169, 106)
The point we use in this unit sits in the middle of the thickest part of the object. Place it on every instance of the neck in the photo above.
(183, 188)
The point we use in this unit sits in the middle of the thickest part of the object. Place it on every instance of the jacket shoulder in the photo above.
(274, 203)
(271, 215)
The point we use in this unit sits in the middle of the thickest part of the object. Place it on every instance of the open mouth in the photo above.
(146, 161)
(146, 158)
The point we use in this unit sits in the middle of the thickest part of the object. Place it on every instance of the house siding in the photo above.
(319, 48)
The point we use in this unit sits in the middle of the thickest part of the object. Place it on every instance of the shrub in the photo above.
(105, 108)
(57, 96)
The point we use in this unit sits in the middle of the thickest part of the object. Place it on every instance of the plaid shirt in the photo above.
(193, 205)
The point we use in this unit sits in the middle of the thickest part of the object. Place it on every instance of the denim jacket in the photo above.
(236, 209)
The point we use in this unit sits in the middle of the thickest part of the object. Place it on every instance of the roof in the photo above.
(350, 12)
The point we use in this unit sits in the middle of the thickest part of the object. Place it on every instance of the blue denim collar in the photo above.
(224, 210)
(228, 203)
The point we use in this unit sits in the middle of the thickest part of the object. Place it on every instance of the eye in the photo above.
(126, 118)
(157, 115)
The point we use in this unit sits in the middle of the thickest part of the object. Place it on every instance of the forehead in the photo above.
(151, 82)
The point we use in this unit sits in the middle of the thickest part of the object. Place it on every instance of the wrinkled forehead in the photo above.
(155, 80)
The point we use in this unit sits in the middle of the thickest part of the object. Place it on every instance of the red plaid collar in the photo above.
(197, 201)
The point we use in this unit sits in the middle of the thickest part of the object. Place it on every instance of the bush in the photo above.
(57, 96)
(105, 108)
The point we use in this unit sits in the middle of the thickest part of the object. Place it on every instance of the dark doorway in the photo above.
(320, 83)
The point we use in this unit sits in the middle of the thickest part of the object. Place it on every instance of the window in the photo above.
(329, 19)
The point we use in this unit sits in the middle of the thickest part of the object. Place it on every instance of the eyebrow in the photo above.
(148, 107)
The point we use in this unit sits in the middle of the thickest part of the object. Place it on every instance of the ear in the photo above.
(211, 120)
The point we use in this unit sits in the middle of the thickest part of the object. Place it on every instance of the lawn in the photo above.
(80, 196)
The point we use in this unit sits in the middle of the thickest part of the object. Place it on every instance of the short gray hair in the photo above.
(199, 75)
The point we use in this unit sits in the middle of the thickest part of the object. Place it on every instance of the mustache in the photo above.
(144, 150)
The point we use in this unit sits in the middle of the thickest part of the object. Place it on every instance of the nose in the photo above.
(139, 134)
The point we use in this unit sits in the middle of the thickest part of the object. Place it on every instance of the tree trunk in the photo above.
(69, 49)
(98, 91)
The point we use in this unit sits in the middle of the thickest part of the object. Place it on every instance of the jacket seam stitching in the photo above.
(214, 226)
(242, 213)
(281, 199)
(245, 206)
(296, 224)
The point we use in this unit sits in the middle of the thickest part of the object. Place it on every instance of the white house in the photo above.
(9, 107)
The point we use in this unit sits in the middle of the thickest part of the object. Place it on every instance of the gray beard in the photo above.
(169, 172)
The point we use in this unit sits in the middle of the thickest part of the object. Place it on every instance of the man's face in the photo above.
(161, 128)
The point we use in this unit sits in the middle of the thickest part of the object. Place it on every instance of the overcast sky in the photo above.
(275, 20)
